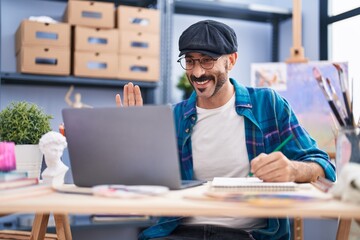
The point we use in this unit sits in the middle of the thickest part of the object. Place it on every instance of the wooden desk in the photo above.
(175, 203)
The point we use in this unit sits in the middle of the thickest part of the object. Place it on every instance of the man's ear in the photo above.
(232, 60)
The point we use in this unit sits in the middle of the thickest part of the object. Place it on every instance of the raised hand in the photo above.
(132, 96)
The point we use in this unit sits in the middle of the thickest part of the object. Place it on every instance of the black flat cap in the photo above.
(208, 37)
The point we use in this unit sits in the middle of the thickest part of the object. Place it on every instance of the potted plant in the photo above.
(185, 86)
(24, 123)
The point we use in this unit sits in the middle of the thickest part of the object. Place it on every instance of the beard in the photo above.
(219, 77)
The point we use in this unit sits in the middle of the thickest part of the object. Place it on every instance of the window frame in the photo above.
(326, 21)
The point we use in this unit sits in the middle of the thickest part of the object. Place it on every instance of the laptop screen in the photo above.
(131, 146)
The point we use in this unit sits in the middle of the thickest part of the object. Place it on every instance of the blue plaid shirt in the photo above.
(269, 120)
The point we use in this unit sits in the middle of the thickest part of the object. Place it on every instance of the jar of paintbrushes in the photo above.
(347, 146)
(348, 136)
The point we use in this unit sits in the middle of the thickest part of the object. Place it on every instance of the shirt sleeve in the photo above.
(303, 147)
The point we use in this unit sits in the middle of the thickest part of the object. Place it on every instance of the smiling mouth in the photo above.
(202, 82)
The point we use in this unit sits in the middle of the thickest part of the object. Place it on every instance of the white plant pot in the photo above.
(29, 158)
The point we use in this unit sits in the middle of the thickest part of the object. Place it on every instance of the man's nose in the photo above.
(198, 71)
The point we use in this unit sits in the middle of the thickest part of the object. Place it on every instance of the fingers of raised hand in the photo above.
(125, 95)
(118, 100)
(138, 97)
(130, 94)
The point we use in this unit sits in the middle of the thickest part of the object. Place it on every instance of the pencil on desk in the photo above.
(278, 148)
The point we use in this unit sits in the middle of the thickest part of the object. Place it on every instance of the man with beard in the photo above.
(228, 130)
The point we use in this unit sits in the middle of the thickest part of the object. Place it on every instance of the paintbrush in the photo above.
(345, 92)
(336, 125)
(337, 101)
(327, 95)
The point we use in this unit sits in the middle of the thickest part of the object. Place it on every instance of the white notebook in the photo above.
(251, 184)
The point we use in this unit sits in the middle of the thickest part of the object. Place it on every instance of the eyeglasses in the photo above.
(188, 63)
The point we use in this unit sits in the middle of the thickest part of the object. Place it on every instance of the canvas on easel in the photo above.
(306, 98)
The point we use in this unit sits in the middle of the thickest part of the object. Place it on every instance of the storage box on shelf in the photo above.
(98, 50)
(31, 33)
(43, 48)
(43, 60)
(96, 39)
(138, 19)
(139, 43)
(139, 68)
(95, 64)
(90, 13)
(145, 43)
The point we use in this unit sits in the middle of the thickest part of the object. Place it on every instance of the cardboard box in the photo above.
(31, 33)
(139, 43)
(44, 60)
(91, 14)
(138, 19)
(94, 64)
(140, 68)
(96, 39)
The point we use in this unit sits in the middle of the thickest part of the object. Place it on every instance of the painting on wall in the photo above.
(269, 75)
(299, 86)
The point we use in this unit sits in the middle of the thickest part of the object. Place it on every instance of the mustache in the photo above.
(201, 78)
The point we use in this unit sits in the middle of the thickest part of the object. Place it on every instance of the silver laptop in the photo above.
(130, 145)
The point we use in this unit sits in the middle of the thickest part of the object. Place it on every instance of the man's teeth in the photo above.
(203, 82)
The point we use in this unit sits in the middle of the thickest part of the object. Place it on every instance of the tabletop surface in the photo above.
(188, 202)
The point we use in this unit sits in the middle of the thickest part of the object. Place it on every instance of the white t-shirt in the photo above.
(219, 150)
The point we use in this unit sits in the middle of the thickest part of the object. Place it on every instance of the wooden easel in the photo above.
(297, 56)
(297, 50)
